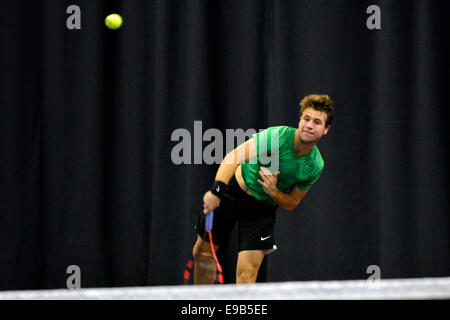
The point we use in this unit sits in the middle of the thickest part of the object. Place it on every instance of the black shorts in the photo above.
(255, 220)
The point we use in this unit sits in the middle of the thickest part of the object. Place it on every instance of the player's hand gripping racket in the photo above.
(218, 272)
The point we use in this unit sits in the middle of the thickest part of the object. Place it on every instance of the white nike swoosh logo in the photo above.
(262, 238)
(218, 188)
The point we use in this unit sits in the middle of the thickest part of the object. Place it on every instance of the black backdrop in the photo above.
(86, 176)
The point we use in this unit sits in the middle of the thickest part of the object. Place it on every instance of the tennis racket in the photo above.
(218, 274)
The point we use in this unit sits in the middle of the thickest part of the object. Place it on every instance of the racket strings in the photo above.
(204, 265)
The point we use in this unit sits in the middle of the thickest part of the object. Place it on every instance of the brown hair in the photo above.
(319, 102)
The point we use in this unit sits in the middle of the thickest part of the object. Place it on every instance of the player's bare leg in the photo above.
(204, 264)
(248, 265)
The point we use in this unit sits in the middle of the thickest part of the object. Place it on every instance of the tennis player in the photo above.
(248, 188)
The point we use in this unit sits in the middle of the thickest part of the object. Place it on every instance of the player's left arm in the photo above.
(288, 201)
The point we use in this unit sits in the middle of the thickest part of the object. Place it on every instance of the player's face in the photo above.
(312, 125)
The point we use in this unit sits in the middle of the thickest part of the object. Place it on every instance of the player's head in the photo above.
(316, 116)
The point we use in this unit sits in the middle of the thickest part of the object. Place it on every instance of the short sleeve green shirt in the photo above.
(275, 151)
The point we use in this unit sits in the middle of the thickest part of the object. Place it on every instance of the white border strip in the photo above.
(389, 289)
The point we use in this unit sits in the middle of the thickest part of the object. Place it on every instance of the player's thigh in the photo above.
(250, 260)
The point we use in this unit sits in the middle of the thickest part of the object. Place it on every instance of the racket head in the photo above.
(209, 266)
(208, 261)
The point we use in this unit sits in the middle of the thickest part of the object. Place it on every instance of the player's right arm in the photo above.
(241, 154)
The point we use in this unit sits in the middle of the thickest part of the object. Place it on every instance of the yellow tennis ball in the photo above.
(113, 21)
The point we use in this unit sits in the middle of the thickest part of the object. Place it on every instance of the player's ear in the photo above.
(326, 129)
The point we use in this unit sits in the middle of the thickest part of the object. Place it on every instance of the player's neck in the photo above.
(300, 147)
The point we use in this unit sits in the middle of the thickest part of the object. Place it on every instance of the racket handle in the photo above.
(209, 221)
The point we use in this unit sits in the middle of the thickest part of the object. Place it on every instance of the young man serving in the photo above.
(248, 188)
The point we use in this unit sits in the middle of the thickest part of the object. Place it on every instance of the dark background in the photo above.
(86, 176)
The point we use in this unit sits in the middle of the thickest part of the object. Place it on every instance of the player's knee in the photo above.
(199, 246)
(195, 251)
(247, 275)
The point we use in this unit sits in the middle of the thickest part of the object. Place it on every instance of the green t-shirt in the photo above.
(275, 151)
